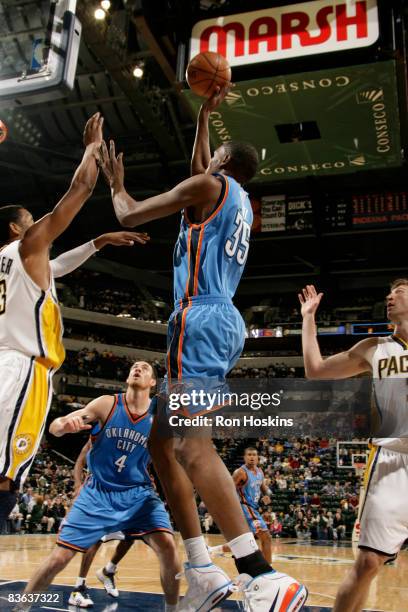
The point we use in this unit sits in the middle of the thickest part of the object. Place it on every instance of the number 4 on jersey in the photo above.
(121, 462)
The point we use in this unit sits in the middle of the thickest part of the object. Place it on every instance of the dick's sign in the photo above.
(283, 32)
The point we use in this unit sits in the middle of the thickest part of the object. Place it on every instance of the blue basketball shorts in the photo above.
(98, 511)
(254, 519)
(205, 339)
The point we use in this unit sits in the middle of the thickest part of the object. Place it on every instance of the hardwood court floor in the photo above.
(320, 566)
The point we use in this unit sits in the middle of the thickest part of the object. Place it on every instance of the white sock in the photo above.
(79, 582)
(170, 607)
(243, 545)
(197, 552)
(110, 568)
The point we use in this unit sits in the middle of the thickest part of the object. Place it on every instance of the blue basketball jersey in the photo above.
(119, 457)
(209, 257)
(250, 492)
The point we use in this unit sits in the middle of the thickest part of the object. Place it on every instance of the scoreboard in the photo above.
(296, 214)
(380, 209)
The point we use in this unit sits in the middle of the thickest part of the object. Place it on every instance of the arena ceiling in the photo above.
(153, 125)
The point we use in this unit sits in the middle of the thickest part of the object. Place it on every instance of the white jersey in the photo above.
(30, 318)
(390, 377)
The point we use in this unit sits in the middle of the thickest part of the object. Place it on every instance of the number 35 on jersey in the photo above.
(238, 245)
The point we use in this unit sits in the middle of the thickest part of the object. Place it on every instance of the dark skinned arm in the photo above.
(34, 247)
(201, 150)
(40, 235)
(239, 477)
(197, 192)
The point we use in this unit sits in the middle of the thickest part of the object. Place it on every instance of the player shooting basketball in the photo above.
(383, 513)
(206, 335)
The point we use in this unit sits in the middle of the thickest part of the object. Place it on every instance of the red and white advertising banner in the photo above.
(291, 31)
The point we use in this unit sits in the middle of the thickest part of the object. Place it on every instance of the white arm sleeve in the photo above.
(71, 260)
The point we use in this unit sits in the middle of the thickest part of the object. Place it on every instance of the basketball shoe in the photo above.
(270, 592)
(108, 581)
(208, 585)
(80, 597)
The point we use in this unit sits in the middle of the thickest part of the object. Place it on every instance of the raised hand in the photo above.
(310, 300)
(93, 130)
(217, 97)
(125, 238)
(112, 166)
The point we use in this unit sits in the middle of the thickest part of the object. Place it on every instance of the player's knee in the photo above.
(183, 456)
(60, 559)
(190, 452)
(168, 546)
(369, 563)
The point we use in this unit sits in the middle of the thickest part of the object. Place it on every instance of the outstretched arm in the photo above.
(41, 234)
(79, 420)
(71, 260)
(343, 365)
(201, 150)
(197, 191)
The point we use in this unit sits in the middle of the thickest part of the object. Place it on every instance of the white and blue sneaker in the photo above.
(80, 597)
(208, 585)
(272, 592)
(108, 581)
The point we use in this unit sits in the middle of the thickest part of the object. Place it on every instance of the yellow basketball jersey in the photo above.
(30, 318)
(390, 374)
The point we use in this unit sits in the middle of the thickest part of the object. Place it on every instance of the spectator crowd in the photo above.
(46, 499)
(311, 497)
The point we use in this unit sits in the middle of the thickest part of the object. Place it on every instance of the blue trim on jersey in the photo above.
(209, 257)
(224, 185)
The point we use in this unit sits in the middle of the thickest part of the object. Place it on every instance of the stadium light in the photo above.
(105, 4)
(138, 71)
(99, 14)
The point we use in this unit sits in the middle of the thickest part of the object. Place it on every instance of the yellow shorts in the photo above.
(26, 393)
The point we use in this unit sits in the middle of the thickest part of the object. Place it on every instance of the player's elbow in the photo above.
(197, 169)
(313, 372)
(126, 220)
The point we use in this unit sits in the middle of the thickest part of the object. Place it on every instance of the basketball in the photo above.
(3, 131)
(206, 71)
